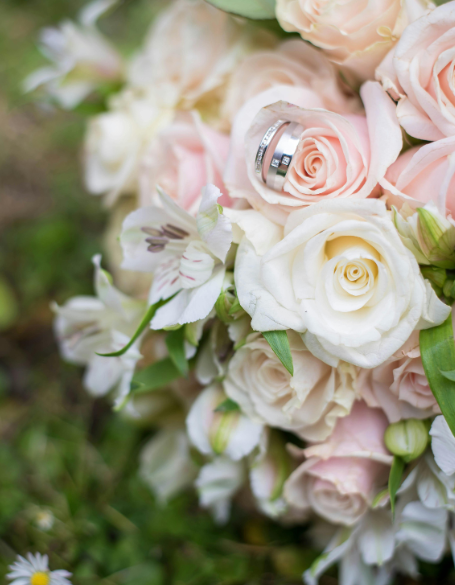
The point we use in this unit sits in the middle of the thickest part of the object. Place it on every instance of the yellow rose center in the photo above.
(40, 578)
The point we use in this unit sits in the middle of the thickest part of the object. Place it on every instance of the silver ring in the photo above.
(265, 143)
(282, 157)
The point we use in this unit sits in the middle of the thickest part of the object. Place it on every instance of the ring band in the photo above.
(265, 143)
(282, 157)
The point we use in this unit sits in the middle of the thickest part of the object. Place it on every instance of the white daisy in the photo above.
(35, 571)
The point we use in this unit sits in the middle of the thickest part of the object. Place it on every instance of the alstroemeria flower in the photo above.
(86, 326)
(187, 255)
(81, 58)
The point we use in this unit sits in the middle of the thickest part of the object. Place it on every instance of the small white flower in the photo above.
(35, 571)
(187, 255)
(44, 519)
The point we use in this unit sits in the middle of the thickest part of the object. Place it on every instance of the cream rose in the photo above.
(400, 386)
(115, 142)
(337, 156)
(293, 63)
(341, 276)
(308, 403)
(184, 156)
(356, 35)
(420, 74)
(189, 53)
(423, 174)
(341, 477)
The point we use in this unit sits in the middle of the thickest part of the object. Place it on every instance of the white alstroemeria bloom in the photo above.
(443, 445)
(341, 276)
(82, 59)
(187, 255)
(217, 483)
(166, 465)
(85, 326)
(228, 433)
(34, 570)
(377, 549)
(426, 498)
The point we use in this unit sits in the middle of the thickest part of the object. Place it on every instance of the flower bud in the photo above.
(227, 306)
(435, 275)
(437, 237)
(449, 288)
(428, 234)
(221, 431)
(407, 439)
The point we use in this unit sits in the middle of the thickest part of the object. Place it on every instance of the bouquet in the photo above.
(282, 251)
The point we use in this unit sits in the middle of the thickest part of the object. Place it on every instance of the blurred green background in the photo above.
(68, 465)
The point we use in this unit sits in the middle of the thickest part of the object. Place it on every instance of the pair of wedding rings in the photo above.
(275, 176)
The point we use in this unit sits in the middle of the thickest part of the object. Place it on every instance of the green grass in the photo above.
(60, 450)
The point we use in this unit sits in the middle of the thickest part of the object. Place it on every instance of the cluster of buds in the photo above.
(431, 238)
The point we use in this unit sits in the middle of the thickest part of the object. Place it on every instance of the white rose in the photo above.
(341, 276)
(115, 142)
(308, 403)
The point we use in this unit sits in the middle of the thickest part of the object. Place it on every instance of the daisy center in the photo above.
(40, 578)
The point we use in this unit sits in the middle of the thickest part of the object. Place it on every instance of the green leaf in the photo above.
(450, 375)
(175, 343)
(154, 377)
(257, 9)
(396, 473)
(227, 405)
(438, 357)
(279, 342)
(143, 324)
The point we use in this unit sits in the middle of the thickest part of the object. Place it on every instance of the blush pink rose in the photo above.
(355, 34)
(423, 174)
(292, 63)
(181, 159)
(400, 386)
(420, 74)
(339, 156)
(341, 477)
